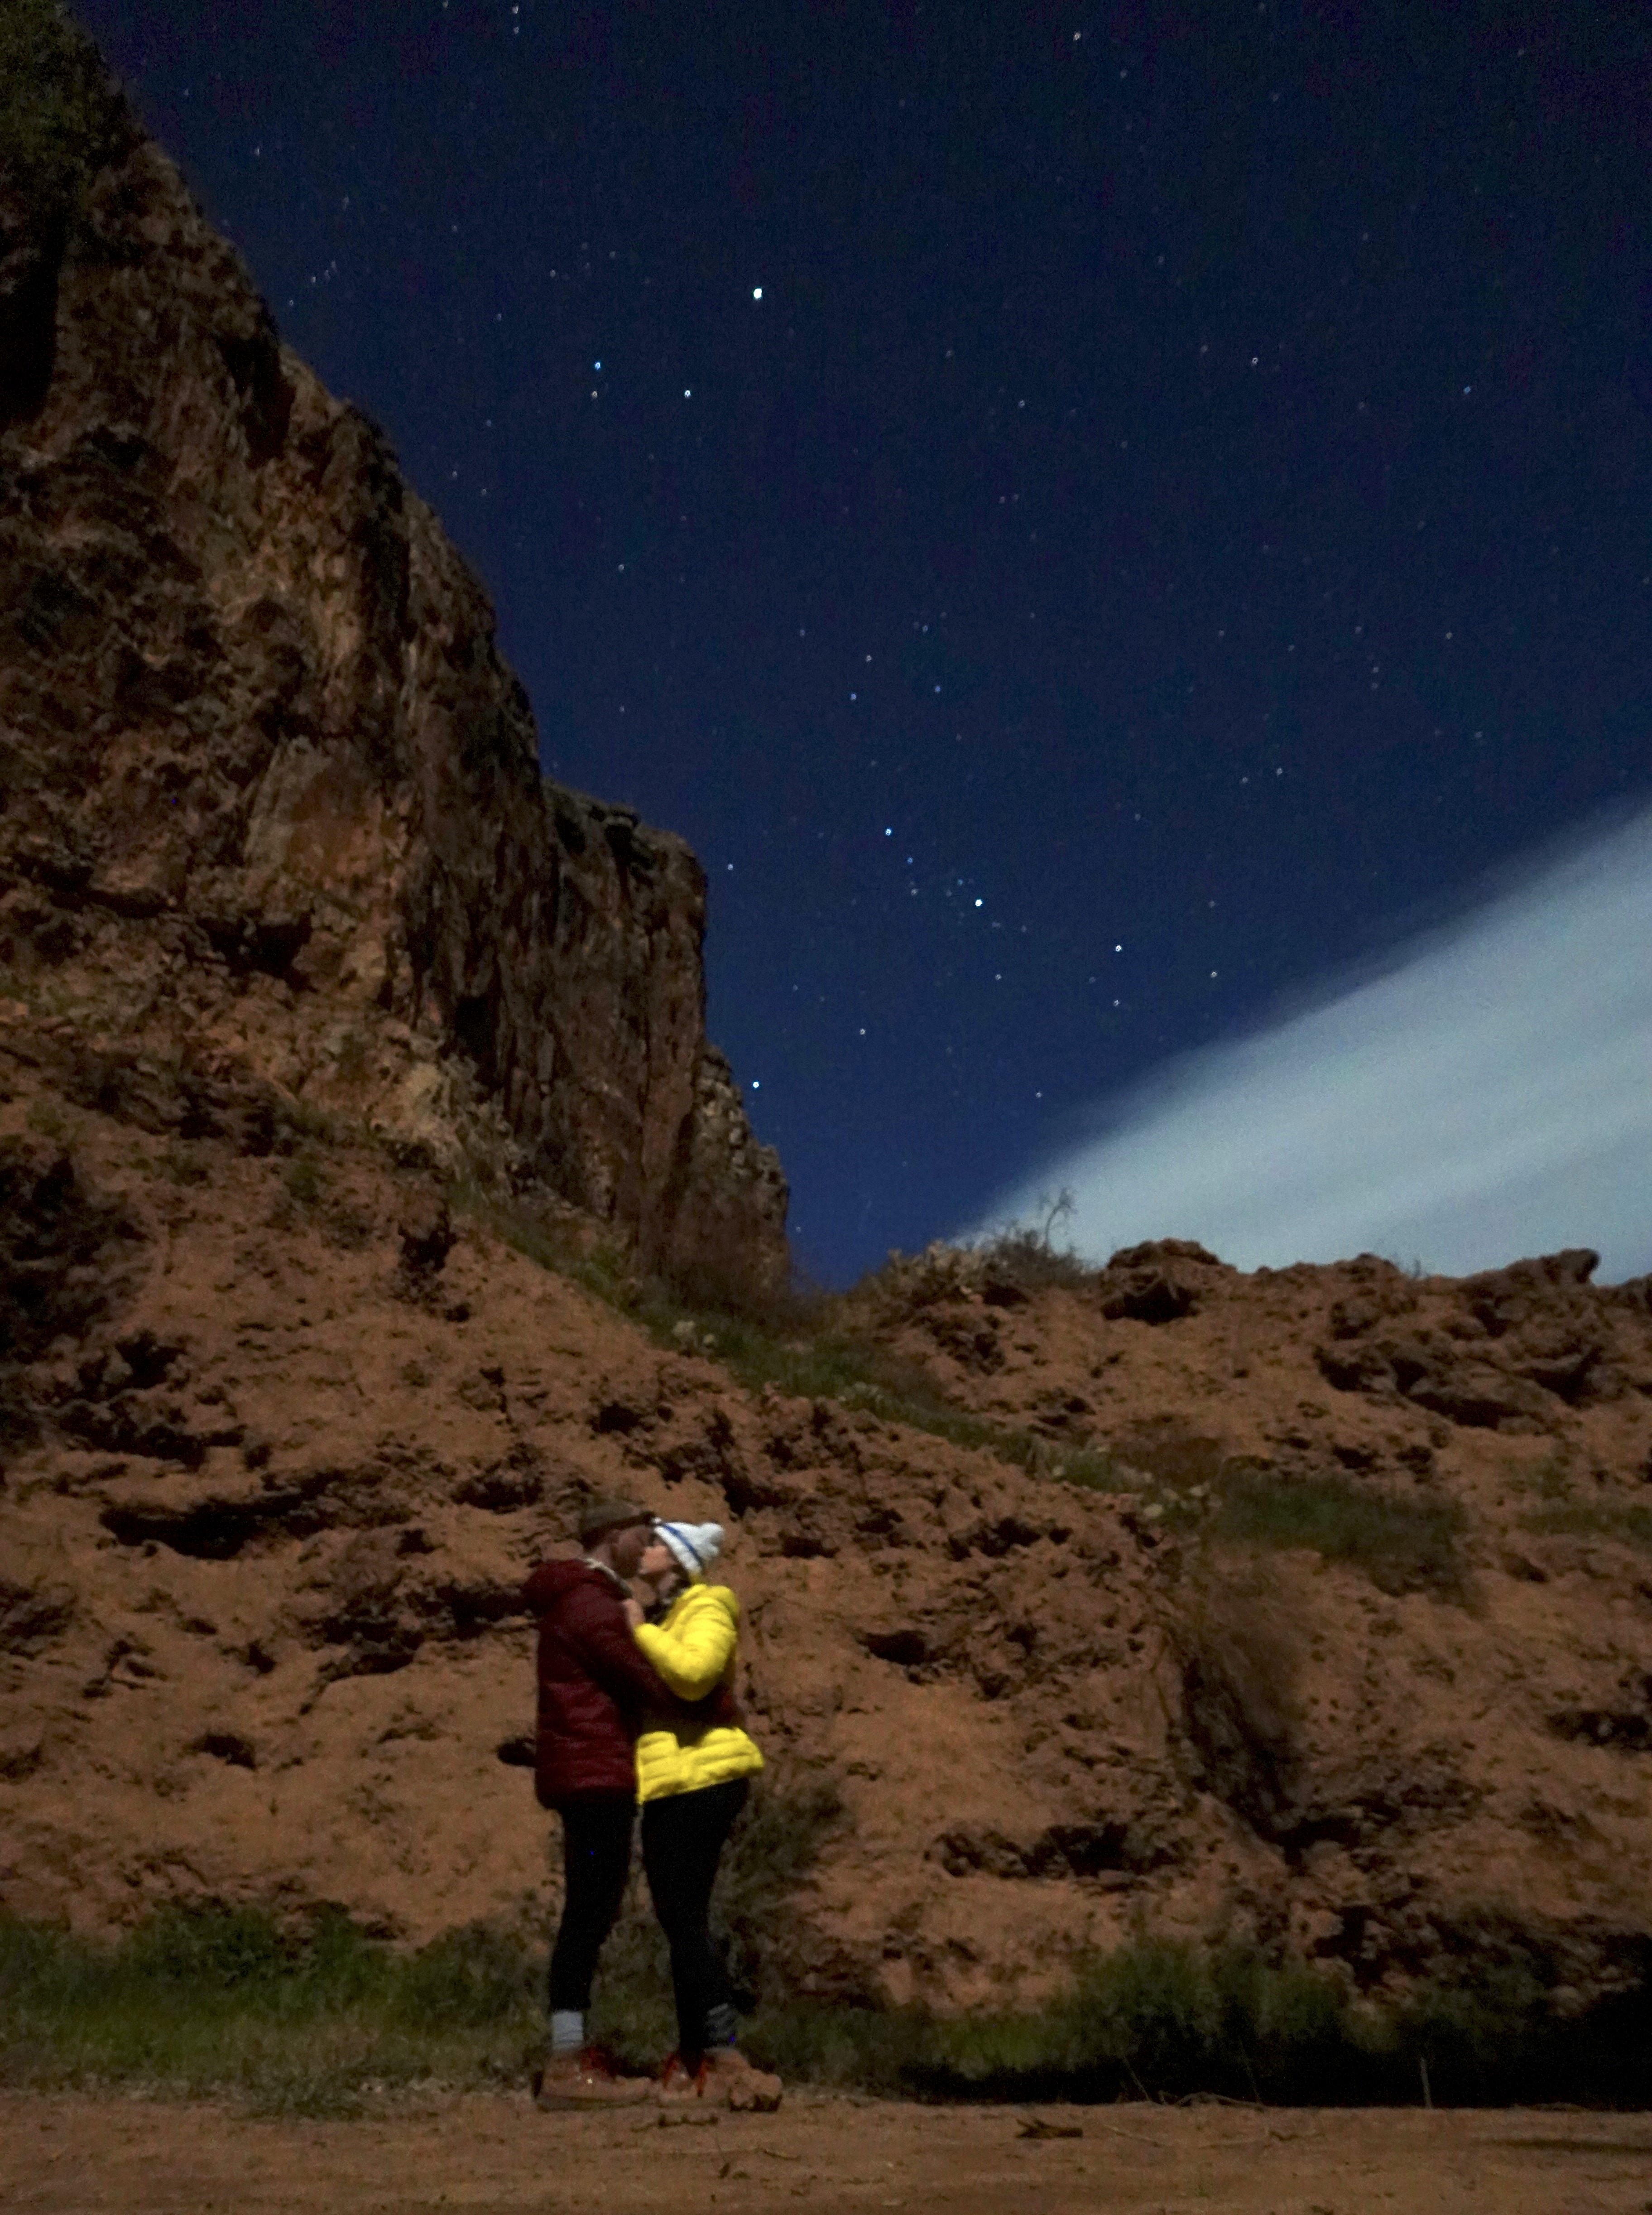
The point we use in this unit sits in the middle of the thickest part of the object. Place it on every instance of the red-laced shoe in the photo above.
(731, 2081)
(679, 2082)
(588, 2079)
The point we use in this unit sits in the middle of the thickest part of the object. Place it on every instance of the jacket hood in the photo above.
(551, 1580)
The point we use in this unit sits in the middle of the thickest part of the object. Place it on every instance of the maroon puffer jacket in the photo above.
(595, 1687)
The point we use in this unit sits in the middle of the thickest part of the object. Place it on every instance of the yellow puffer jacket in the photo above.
(692, 1653)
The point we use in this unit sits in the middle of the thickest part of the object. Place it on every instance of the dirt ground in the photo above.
(81, 2156)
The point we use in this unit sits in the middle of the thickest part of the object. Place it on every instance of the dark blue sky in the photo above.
(1182, 489)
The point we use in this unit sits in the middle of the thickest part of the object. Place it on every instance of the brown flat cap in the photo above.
(599, 1517)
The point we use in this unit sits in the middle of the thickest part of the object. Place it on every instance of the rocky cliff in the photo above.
(270, 801)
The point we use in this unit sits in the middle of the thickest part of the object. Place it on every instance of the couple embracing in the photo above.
(638, 1710)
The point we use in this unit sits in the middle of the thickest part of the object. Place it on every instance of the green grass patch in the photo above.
(1159, 2020)
(1402, 1544)
(601, 1268)
(302, 1179)
(323, 2022)
(45, 1117)
(1554, 1477)
(229, 2002)
(1630, 1525)
(1166, 2020)
(185, 1163)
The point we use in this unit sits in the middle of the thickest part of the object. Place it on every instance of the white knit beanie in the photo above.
(694, 1546)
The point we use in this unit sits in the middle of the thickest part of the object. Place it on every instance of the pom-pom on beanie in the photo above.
(693, 1546)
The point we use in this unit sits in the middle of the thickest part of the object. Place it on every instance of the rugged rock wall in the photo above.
(269, 797)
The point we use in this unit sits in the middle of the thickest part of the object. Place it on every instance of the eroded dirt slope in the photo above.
(283, 1443)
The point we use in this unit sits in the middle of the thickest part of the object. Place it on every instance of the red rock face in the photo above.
(271, 796)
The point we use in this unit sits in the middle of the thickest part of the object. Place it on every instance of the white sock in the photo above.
(567, 2030)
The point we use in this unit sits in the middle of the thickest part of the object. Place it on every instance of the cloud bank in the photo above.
(1486, 1094)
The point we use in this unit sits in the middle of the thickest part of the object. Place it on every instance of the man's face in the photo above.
(628, 1546)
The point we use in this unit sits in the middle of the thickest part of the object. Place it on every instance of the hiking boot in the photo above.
(728, 2080)
(586, 2080)
(682, 2083)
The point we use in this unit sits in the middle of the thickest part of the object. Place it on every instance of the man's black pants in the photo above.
(596, 1860)
(682, 1837)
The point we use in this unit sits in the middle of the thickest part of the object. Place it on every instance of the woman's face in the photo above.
(659, 1564)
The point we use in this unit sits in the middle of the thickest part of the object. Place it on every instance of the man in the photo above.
(595, 1688)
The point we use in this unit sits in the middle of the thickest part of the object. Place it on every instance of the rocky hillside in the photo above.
(1311, 1607)
(270, 801)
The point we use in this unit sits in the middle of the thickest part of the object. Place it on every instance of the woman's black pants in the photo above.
(596, 1860)
(682, 1837)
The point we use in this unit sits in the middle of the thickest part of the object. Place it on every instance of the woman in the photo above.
(692, 1782)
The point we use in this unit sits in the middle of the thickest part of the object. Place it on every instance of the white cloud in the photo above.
(1486, 1093)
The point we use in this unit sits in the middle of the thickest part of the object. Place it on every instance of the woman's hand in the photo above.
(634, 1614)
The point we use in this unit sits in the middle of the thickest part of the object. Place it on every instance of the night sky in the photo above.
(1087, 518)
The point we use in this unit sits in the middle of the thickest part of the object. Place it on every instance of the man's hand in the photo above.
(634, 1614)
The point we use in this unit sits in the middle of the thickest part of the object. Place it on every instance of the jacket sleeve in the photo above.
(606, 1647)
(692, 1658)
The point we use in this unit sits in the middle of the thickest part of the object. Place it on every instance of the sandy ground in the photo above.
(142, 2157)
